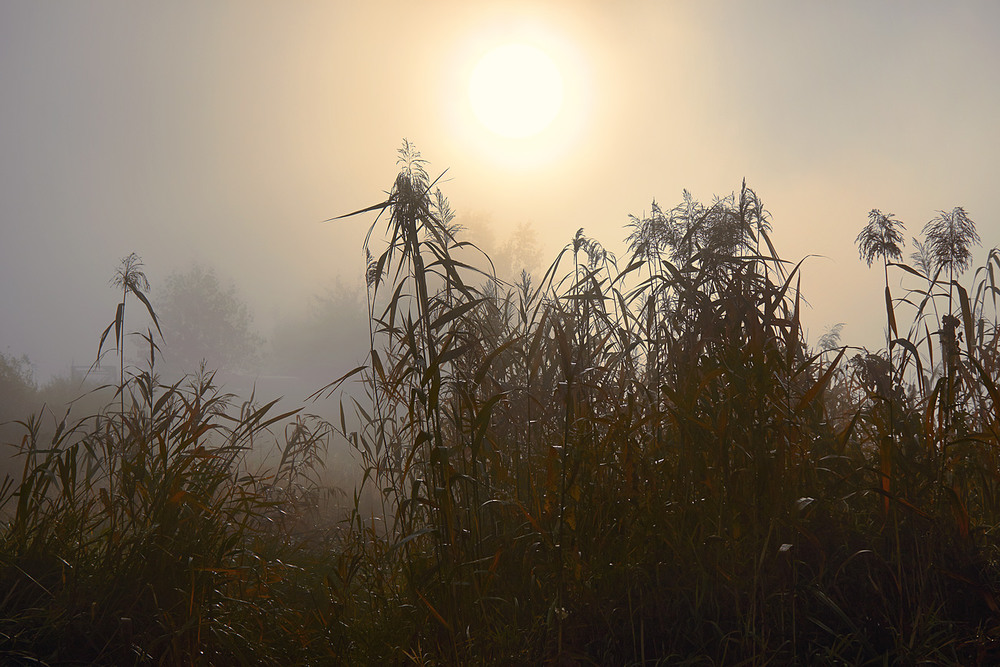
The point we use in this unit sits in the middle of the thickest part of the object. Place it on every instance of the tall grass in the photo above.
(648, 462)
(142, 536)
(623, 461)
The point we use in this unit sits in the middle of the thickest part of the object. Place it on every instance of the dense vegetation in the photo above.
(613, 464)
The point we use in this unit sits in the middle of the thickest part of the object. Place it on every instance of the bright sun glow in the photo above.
(516, 90)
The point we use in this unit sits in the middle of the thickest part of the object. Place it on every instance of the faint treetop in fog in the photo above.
(17, 386)
(203, 320)
(319, 342)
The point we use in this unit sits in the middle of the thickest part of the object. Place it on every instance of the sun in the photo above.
(516, 90)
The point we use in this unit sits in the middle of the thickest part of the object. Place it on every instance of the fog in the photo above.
(222, 135)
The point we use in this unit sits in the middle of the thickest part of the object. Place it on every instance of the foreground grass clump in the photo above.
(142, 537)
(635, 462)
(641, 463)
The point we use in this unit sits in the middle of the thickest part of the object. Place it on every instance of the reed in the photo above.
(633, 460)
(626, 464)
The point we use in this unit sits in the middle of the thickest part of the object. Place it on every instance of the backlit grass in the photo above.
(632, 460)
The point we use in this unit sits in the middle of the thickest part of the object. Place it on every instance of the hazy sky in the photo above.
(224, 132)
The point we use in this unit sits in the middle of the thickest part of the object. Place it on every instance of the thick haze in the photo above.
(224, 133)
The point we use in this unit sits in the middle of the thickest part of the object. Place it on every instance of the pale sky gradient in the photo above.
(224, 132)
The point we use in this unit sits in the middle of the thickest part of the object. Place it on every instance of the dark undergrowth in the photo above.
(619, 463)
